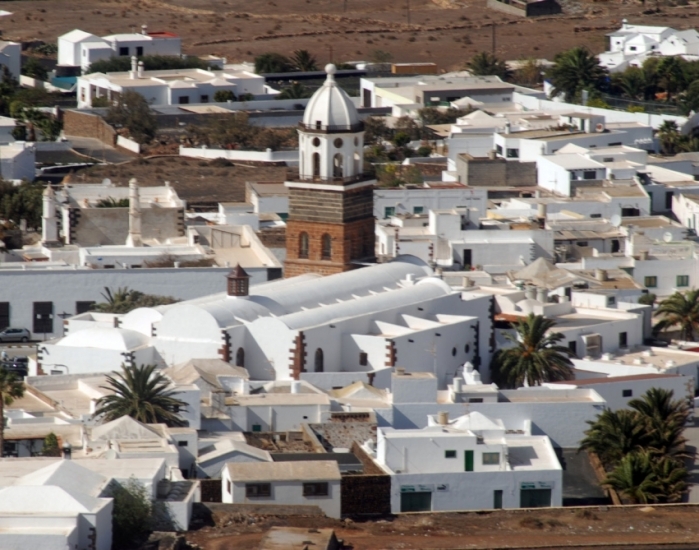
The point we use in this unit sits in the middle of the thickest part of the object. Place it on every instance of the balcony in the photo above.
(332, 129)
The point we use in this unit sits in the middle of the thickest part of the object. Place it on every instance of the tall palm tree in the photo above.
(11, 388)
(576, 70)
(535, 357)
(670, 74)
(635, 478)
(613, 435)
(272, 63)
(680, 310)
(670, 137)
(484, 63)
(632, 83)
(304, 61)
(142, 394)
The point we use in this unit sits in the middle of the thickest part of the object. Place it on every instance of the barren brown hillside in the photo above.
(445, 31)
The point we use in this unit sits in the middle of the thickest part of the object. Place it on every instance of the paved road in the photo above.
(99, 151)
(18, 349)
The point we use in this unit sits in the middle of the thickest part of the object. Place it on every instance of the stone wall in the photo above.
(498, 172)
(88, 125)
(366, 495)
(320, 205)
(109, 226)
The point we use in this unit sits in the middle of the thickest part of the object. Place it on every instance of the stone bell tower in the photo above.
(330, 228)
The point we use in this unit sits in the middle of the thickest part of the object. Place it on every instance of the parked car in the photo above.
(21, 370)
(656, 342)
(15, 335)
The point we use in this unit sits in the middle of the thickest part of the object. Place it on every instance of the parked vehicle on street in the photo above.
(15, 335)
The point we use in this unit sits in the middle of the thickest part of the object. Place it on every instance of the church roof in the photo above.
(330, 107)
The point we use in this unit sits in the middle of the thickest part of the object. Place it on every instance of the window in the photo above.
(337, 165)
(183, 100)
(389, 211)
(490, 459)
(321, 489)
(240, 357)
(418, 209)
(82, 307)
(513, 153)
(581, 243)
(4, 315)
(303, 245)
(326, 248)
(258, 490)
(475, 400)
(124, 50)
(43, 317)
(589, 175)
(319, 360)
(651, 281)
(682, 280)
(449, 454)
(595, 215)
(632, 48)
(316, 164)
(204, 98)
(363, 359)
(82, 94)
(182, 444)
(623, 340)
(139, 51)
(573, 346)
(229, 487)
(256, 428)
(498, 149)
(627, 393)
(611, 300)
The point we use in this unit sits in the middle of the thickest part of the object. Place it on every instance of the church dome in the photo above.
(331, 108)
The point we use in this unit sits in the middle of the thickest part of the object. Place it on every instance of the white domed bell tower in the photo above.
(331, 205)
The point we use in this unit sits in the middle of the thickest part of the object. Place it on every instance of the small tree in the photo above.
(34, 69)
(485, 63)
(647, 299)
(272, 63)
(224, 95)
(133, 113)
(123, 300)
(51, 446)
(11, 388)
(132, 515)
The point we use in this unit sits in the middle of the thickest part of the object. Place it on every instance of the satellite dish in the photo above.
(667, 237)
(615, 220)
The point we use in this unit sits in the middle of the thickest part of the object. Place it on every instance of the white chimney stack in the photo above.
(134, 67)
(140, 69)
(144, 29)
(134, 238)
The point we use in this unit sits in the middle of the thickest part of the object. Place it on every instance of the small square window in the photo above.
(627, 393)
(124, 51)
(589, 175)
(650, 281)
(513, 153)
(418, 209)
(682, 280)
(363, 359)
(449, 454)
(181, 443)
(490, 459)
(389, 211)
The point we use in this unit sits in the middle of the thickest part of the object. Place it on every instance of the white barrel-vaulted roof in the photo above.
(330, 107)
(105, 338)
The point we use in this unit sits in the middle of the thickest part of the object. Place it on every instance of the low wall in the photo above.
(128, 144)
(76, 123)
(291, 158)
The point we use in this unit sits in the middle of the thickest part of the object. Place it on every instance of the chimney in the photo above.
(134, 238)
(140, 69)
(134, 67)
(144, 30)
(507, 127)
(238, 282)
(492, 155)
(443, 418)
(601, 275)
(400, 371)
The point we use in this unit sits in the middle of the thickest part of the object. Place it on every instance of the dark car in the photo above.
(20, 370)
(656, 342)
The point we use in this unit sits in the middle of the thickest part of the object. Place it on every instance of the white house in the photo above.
(315, 483)
(470, 463)
(167, 87)
(80, 49)
(11, 57)
(17, 160)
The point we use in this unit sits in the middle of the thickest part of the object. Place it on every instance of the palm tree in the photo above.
(11, 388)
(670, 74)
(304, 61)
(613, 435)
(665, 419)
(272, 63)
(672, 476)
(680, 310)
(576, 70)
(635, 478)
(670, 137)
(484, 63)
(535, 357)
(295, 91)
(142, 394)
(632, 83)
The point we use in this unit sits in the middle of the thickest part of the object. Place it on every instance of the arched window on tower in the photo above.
(319, 360)
(326, 247)
(316, 164)
(303, 245)
(337, 166)
(240, 357)
(357, 164)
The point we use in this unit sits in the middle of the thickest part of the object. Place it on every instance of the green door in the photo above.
(468, 461)
(416, 502)
(497, 499)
